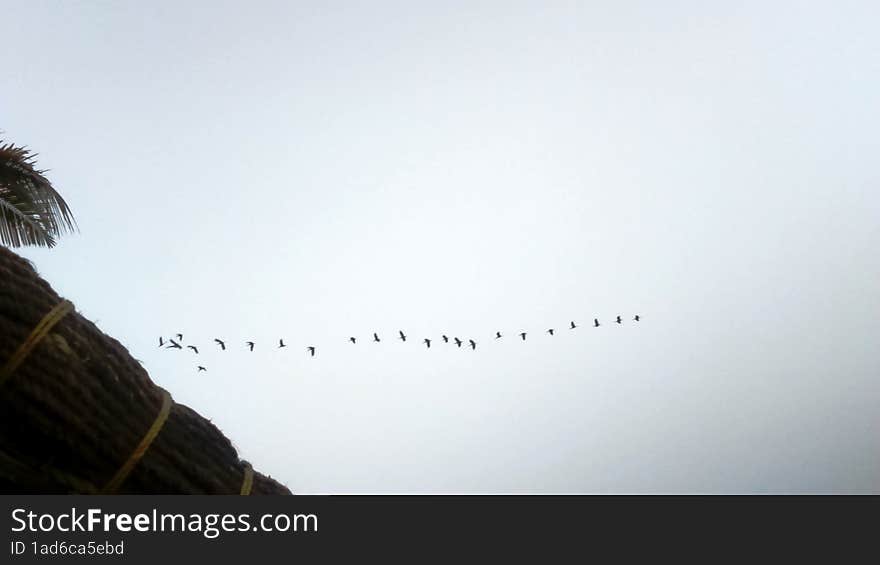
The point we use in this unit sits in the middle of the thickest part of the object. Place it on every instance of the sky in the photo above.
(318, 170)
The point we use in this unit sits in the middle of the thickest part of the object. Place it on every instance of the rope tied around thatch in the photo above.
(81, 405)
(39, 332)
(142, 447)
(247, 482)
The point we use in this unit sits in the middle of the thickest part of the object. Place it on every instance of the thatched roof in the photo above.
(76, 407)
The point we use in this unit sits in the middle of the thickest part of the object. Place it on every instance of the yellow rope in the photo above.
(40, 331)
(142, 447)
(248, 481)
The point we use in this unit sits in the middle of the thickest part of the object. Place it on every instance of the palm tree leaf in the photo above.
(20, 226)
(31, 210)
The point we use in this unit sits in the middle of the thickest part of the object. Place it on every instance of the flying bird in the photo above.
(194, 348)
(618, 320)
(250, 345)
(311, 349)
(428, 343)
(473, 344)
(221, 343)
(180, 337)
(161, 341)
(376, 338)
(550, 331)
(446, 338)
(595, 322)
(352, 339)
(201, 369)
(458, 342)
(636, 318)
(497, 335)
(402, 335)
(573, 325)
(523, 335)
(174, 345)
(281, 343)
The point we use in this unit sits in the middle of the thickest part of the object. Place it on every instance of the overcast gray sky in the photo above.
(315, 170)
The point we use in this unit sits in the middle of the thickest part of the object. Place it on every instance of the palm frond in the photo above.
(31, 210)
(20, 226)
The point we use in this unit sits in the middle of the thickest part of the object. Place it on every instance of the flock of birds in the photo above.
(169, 343)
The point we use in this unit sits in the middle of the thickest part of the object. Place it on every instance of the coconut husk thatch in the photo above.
(76, 407)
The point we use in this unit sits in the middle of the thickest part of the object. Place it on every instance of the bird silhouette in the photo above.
(618, 320)
(161, 341)
(428, 343)
(402, 335)
(376, 337)
(180, 337)
(311, 349)
(458, 342)
(523, 335)
(174, 345)
(573, 325)
(221, 343)
(201, 369)
(352, 339)
(550, 331)
(445, 338)
(497, 335)
(473, 344)
(637, 318)
(250, 345)
(281, 343)
(194, 348)
(595, 322)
